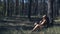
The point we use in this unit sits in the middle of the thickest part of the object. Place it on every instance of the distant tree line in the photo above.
(28, 7)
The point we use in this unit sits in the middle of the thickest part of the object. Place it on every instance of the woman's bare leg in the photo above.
(35, 27)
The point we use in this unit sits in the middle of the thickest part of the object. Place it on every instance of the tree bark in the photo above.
(4, 7)
(17, 7)
(50, 11)
(29, 13)
(8, 8)
(22, 6)
(36, 7)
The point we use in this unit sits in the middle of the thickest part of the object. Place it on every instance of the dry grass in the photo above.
(50, 30)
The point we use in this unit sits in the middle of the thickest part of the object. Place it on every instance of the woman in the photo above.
(41, 23)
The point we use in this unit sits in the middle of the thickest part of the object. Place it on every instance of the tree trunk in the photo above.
(14, 6)
(22, 6)
(29, 13)
(36, 7)
(4, 7)
(17, 7)
(43, 7)
(0, 2)
(50, 11)
(8, 8)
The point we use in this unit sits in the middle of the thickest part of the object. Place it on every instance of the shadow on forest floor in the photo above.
(56, 24)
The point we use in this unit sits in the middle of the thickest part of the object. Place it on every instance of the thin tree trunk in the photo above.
(0, 2)
(8, 8)
(4, 8)
(44, 11)
(22, 6)
(17, 7)
(29, 13)
(36, 7)
(14, 6)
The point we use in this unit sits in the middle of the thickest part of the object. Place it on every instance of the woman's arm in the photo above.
(43, 22)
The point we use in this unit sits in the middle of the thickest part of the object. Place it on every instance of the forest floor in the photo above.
(22, 28)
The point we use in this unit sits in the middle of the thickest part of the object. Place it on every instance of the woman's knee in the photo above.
(37, 25)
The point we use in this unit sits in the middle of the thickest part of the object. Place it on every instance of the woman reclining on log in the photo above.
(41, 23)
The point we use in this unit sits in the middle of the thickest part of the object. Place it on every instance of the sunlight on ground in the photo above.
(57, 20)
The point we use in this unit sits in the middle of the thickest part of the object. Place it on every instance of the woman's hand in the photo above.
(35, 23)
